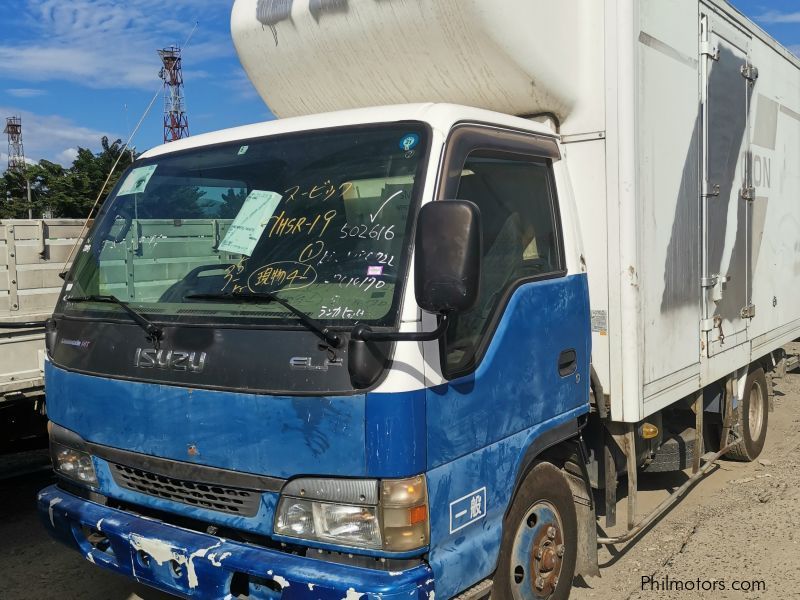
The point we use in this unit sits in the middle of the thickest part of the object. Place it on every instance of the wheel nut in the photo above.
(555, 582)
(539, 583)
(538, 554)
(560, 550)
(551, 532)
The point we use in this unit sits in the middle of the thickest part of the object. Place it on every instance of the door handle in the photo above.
(567, 362)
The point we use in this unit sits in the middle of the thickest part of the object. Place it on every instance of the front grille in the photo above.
(202, 495)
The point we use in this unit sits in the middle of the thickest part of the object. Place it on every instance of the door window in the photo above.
(520, 242)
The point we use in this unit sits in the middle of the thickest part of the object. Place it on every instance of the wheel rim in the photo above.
(537, 553)
(755, 411)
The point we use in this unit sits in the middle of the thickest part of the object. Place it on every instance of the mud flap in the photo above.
(586, 561)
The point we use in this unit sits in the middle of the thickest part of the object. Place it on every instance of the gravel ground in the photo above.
(741, 523)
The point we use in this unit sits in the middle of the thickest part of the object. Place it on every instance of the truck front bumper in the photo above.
(197, 565)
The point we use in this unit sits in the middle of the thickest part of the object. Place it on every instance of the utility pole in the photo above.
(16, 154)
(176, 122)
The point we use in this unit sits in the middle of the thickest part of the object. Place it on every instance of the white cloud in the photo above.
(25, 92)
(67, 157)
(773, 17)
(110, 44)
(47, 136)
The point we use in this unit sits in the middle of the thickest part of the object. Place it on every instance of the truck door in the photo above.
(514, 368)
(726, 184)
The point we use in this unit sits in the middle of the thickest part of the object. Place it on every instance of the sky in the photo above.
(76, 70)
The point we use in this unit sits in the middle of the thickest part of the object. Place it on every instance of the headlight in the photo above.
(335, 523)
(75, 464)
(391, 515)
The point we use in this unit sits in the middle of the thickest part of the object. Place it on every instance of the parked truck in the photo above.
(32, 254)
(404, 341)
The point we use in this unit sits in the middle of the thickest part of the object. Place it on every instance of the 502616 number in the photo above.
(365, 232)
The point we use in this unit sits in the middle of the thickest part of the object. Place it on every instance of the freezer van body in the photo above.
(663, 133)
(394, 350)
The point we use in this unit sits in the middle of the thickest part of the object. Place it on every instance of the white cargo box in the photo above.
(680, 124)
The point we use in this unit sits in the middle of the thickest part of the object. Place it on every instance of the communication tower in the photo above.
(176, 122)
(16, 153)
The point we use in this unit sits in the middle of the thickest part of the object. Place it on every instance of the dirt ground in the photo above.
(740, 525)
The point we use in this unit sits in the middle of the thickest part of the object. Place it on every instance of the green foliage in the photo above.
(63, 192)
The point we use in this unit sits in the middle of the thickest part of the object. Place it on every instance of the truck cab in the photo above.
(210, 441)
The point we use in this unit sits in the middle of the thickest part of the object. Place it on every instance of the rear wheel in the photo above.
(752, 415)
(540, 540)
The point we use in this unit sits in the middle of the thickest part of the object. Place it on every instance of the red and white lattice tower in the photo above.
(176, 123)
(16, 154)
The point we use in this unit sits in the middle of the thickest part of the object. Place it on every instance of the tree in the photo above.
(65, 193)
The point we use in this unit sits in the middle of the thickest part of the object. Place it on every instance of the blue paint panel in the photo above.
(396, 434)
(480, 426)
(213, 560)
(270, 435)
(517, 384)
(462, 557)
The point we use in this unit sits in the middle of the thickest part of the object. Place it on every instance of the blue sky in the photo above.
(79, 69)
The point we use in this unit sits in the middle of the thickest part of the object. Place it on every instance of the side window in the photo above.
(520, 241)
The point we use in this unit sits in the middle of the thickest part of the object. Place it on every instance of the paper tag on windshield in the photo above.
(137, 180)
(249, 224)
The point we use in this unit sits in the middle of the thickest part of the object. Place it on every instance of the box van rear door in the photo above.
(726, 198)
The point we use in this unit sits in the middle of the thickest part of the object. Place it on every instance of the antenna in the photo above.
(16, 154)
(176, 123)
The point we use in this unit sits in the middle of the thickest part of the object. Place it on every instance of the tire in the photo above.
(542, 517)
(752, 415)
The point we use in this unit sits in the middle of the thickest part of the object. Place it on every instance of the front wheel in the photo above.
(540, 540)
(752, 414)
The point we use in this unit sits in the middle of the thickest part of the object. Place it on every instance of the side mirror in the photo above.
(447, 263)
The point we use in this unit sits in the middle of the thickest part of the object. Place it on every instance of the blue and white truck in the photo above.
(406, 340)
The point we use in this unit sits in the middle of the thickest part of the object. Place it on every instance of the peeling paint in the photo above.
(217, 562)
(280, 581)
(311, 586)
(90, 558)
(352, 595)
(161, 552)
(53, 502)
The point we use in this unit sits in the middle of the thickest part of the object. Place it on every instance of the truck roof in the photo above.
(439, 116)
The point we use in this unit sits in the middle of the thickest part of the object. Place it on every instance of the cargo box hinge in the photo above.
(709, 49)
(749, 72)
(748, 312)
(748, 193)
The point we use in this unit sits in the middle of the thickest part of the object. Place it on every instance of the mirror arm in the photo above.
(365, 333)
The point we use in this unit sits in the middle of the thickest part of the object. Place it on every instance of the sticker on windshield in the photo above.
(375, 271)
(409, 141)
(137, 180)
(249, 224)
(243, 150)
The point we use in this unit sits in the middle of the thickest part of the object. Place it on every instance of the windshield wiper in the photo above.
(265, 298)
(154, 332)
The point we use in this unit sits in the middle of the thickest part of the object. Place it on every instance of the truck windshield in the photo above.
(322, 217)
